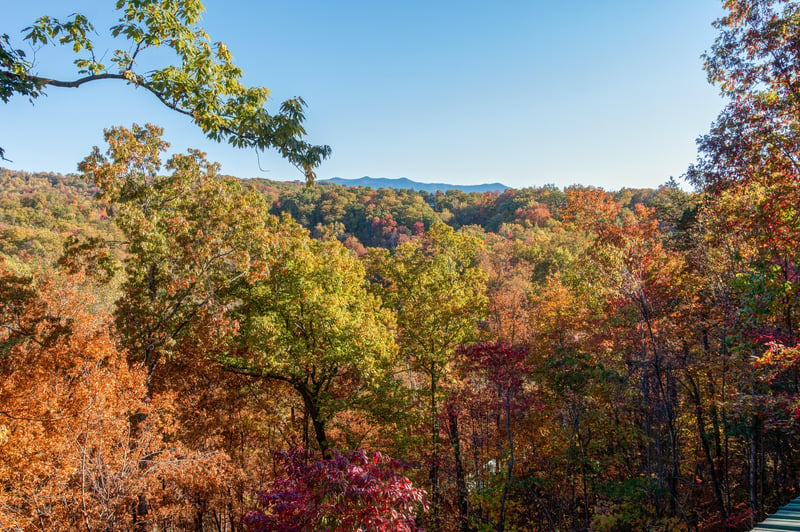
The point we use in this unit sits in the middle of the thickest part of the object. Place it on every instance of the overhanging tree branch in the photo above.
(203, 84)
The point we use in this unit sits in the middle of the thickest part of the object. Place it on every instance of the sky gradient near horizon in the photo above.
(525, 92)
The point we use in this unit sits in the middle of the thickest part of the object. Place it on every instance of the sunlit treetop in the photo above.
(755, 61)
(203, 82)
(756, 49)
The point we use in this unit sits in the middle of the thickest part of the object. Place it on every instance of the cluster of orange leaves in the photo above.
(80, 442)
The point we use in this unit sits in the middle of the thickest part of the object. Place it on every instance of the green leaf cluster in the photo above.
(203, 82)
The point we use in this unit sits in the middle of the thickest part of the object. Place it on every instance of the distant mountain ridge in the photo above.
(405, 183)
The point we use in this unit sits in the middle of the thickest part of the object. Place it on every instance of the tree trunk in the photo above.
(140, 509)
(198, 519)
(752, 491)
(434, 471)
(312, 408)
(461, 483)
(701, 431)
(501, 522)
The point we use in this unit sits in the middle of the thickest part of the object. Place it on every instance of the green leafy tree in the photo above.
(435, 284)
(189, 236)
(204, 83)
(312, 324)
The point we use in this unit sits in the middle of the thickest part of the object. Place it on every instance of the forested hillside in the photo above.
(541, 358)
(185, 350)
(40, 212)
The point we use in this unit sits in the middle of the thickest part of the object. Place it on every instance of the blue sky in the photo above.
(524, 92)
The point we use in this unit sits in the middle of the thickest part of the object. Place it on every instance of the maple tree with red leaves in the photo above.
(349, 491)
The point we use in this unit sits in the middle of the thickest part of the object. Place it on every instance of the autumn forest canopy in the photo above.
(186, 350)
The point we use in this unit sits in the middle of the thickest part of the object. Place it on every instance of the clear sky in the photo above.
(526, 92)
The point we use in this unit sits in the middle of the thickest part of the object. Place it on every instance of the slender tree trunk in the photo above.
(584, 485)
(762, 474)
(217, 520)
(198, 519)
(753, 477)
(140, 509)
(674, 441)
(724, 417)
(501, 522)
(701, 431)
(232, 517)
(461, 484)
(582, 458)
(434, 471)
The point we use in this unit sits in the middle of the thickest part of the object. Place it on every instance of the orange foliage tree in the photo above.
(68, 458)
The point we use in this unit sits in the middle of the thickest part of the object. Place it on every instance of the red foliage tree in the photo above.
(496, 395)
(351, 491)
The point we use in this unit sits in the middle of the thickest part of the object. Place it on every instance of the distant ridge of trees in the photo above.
(405, 183)
(40, 211)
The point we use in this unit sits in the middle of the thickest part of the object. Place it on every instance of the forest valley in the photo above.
(183, 350)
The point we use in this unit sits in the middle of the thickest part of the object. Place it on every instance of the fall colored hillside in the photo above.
(184, 350)
(536, 359)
